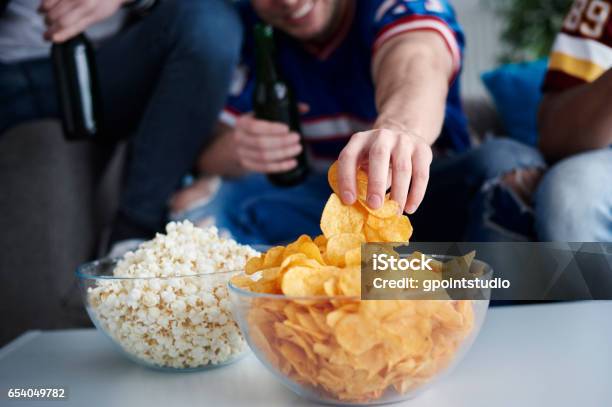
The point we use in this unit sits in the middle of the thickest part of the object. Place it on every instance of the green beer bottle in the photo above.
(273, 100)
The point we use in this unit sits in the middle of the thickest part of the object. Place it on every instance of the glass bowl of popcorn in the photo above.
(334, 348)
(166, 304)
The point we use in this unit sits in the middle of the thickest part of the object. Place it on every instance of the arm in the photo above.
(577, 119)
(411, 74)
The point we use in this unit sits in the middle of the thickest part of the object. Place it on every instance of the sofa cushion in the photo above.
(515, 89)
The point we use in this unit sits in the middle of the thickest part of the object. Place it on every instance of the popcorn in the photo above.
(178, 314)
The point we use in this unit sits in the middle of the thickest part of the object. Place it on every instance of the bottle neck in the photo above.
(265, 54)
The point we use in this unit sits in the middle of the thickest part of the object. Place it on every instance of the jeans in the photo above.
(574, 199)
(164, 80)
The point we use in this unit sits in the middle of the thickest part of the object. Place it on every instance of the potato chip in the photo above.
(394, 229)
(294, 282)
(400, 231)
(312, 251)
(339, 218)
(389, 209)
(371, 234)
(301, 281)
(353, 257)
(273, 257)
(242, 281)
(361, 181)
(298, 259)
(271, 274)
(355, 334)
(254, 265)
(349, 283)
(338, 245)
(330, 287)
(459, 267)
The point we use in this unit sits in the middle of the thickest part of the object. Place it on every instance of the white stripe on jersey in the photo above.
(584, 49)
(426, 23)
(333, 126)
(321, 128)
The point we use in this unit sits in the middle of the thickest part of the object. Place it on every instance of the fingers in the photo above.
(70, 26)
(268, 168)
(348, 161)
(378, 171)
(421, 160)
(264, 146)
(67, 18)
(46, 5)
(271, 154)
(401, 163)
(62, 8)
(268, 141)
(249, 124)
(390, 158)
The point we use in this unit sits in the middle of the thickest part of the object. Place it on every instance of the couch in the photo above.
(55, 200)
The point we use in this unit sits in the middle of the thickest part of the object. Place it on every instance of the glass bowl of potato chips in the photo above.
(300, 309)
(332, 347)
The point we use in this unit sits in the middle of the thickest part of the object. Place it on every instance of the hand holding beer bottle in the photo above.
(265, 146)
(74, 63)
(282, 153)
(268, 140)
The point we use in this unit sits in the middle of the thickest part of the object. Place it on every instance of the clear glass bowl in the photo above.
(324, 355)
(167, 323)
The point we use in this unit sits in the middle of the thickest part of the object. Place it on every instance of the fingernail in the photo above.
(374, 201)
(412, 209)
(347, 197)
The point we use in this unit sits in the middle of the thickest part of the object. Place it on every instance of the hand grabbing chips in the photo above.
(385, 224)
(323, 336)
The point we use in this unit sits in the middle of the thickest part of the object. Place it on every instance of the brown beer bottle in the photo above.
(273, 100)
(77, 87)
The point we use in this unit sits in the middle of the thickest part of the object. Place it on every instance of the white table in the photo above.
(536, 355)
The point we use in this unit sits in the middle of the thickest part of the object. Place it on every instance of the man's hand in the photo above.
(411, 73)
(265, 147)
(251, 145)
(67, 18)
(397, 158)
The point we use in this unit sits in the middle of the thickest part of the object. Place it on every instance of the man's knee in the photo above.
(574, 198)
(499, 156)
(209, 31)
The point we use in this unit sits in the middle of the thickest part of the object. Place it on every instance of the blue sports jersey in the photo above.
(336, 82)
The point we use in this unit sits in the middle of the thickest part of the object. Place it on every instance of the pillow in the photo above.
(515, 89)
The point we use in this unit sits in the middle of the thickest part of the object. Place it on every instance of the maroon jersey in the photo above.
(583, 49)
